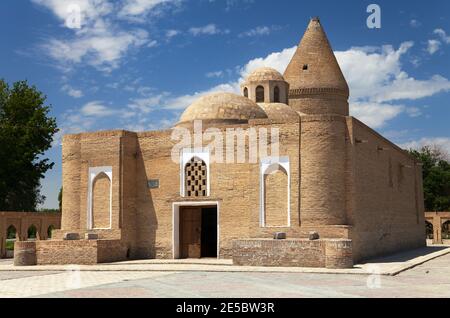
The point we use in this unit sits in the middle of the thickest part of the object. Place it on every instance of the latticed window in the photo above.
(196, 178)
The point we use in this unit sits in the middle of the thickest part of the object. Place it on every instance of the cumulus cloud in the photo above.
(441, 142)
(100, 42)
(375, 75)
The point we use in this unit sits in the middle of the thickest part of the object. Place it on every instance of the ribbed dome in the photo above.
(264, 74)
(222, 108)
(279, 113)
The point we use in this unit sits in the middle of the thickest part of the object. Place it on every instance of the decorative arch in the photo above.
(260, 94)
(275, 188)
(276, 94)
(429, 230)
(32, 232)
(100, 198)
(446, 230)
(50, 230)
(11, 232)
(197, 165)
(246, 92)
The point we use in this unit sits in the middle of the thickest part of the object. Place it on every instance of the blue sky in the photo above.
(136, 64)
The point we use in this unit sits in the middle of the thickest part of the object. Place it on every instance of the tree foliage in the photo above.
(26, 132)
(436, 177)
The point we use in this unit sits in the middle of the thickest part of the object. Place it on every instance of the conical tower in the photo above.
(319, 92)
(317, 85)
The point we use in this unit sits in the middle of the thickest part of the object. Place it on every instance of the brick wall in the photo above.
(79, 252)
(293, 253)
(385, 195)
(22, 222)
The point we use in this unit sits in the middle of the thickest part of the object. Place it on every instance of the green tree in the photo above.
(26, 132)
(436, 177)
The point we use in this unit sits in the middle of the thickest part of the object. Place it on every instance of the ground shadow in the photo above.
(406, 256)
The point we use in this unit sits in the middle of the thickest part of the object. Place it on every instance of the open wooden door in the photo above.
(190, 232)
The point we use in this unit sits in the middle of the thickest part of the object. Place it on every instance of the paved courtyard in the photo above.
(431, 279)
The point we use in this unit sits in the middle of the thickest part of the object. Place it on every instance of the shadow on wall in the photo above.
(147, 223)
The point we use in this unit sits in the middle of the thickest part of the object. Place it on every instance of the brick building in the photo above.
(127, 196)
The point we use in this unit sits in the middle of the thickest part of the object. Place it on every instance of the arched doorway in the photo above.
(49, 231)
(446, 230)
(32, 232)
(11, 234)
(430, 230)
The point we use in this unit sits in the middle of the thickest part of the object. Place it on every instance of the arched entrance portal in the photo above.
(430, 230)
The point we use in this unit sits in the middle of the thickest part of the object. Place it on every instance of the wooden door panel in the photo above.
(190, 230)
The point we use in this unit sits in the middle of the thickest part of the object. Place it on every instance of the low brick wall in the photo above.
(293, 253)
(58, 252)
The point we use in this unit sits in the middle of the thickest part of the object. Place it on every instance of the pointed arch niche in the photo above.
(275, 192)
(187, 158)
(100, 198)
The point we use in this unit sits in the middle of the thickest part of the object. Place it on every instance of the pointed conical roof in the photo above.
(314, 65)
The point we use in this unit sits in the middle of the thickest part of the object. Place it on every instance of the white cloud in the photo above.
(210, 29)
(375, 76)
(375, 114)
(140, 10)
(100, 42)
(258, 31)
(443, 35)
(97, 109)
(69, 90)
(433, 46)
(442, 142)
(172, 33)
(104, 51)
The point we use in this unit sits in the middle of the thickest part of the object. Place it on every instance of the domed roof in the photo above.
(265, 74)
(279, 112)
(222, 108)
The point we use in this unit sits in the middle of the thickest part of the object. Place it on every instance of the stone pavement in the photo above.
(391, 265)
(430, 279)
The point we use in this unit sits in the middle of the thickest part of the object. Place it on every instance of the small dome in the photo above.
(280, 113)
(222, 108)
(264, 74)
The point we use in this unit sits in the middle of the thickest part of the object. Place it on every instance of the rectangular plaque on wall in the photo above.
(153, 184)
